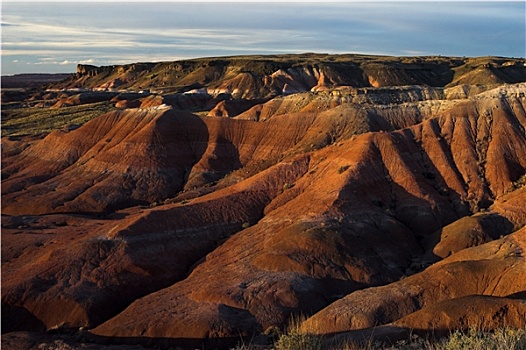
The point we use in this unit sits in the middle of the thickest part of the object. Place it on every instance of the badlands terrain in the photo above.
(196, 203)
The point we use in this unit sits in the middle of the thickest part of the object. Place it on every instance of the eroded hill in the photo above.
(189, 218)
(264, 76)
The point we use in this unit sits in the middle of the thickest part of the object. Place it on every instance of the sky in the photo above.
(53, 37)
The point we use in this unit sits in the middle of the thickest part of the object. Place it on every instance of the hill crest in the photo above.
(268, 76)
(193, 217)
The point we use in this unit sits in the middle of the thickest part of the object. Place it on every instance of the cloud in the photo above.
(116, 32)
(65, 62)
(43, 37)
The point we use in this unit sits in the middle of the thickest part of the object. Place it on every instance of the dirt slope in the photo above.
(124, 157)
(252, 77)
(306, 251)
(356, 206)
(494, 269)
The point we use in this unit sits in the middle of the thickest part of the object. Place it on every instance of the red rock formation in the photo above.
(232, 108)
(261, 77)
(463, 274)
(296, 258)
(82, 98)
(122, 159)
(128, 104)
(311, 203)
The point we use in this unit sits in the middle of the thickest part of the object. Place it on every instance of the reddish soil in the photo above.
(392, 208)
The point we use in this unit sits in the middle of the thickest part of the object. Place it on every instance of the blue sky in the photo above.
(54, 36)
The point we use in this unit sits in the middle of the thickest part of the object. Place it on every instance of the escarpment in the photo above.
(263, 76)
(246, 192)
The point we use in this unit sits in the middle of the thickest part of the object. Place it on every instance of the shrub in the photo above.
(298, 341)
(295, 338)
(55, 345)
(500, 339)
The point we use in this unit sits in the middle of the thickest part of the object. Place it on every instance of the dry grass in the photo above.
(473, 339)
(294, 338)
(32, 121)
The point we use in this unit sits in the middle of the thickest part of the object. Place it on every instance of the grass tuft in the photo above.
(294, 338)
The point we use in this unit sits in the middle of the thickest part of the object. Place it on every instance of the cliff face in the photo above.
(264, 76)
(386, 208)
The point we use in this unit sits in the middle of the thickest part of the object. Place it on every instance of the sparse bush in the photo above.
(500, 339)
(354, 345)
(521, 181)
(244, 346)
(295, 338)
(298, 341)
(55, 345)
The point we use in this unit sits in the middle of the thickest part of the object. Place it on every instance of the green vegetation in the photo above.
(184, 75)
(295, 338)
(298, 341)
(501, 339)
(35, 120)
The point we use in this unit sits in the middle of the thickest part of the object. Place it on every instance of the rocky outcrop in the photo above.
(436, 288)
(122, 159)
(82, 98)
(358, 207)
(232, 108)
(269, 76)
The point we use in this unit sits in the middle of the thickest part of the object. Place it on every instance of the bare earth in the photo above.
(375, 196)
